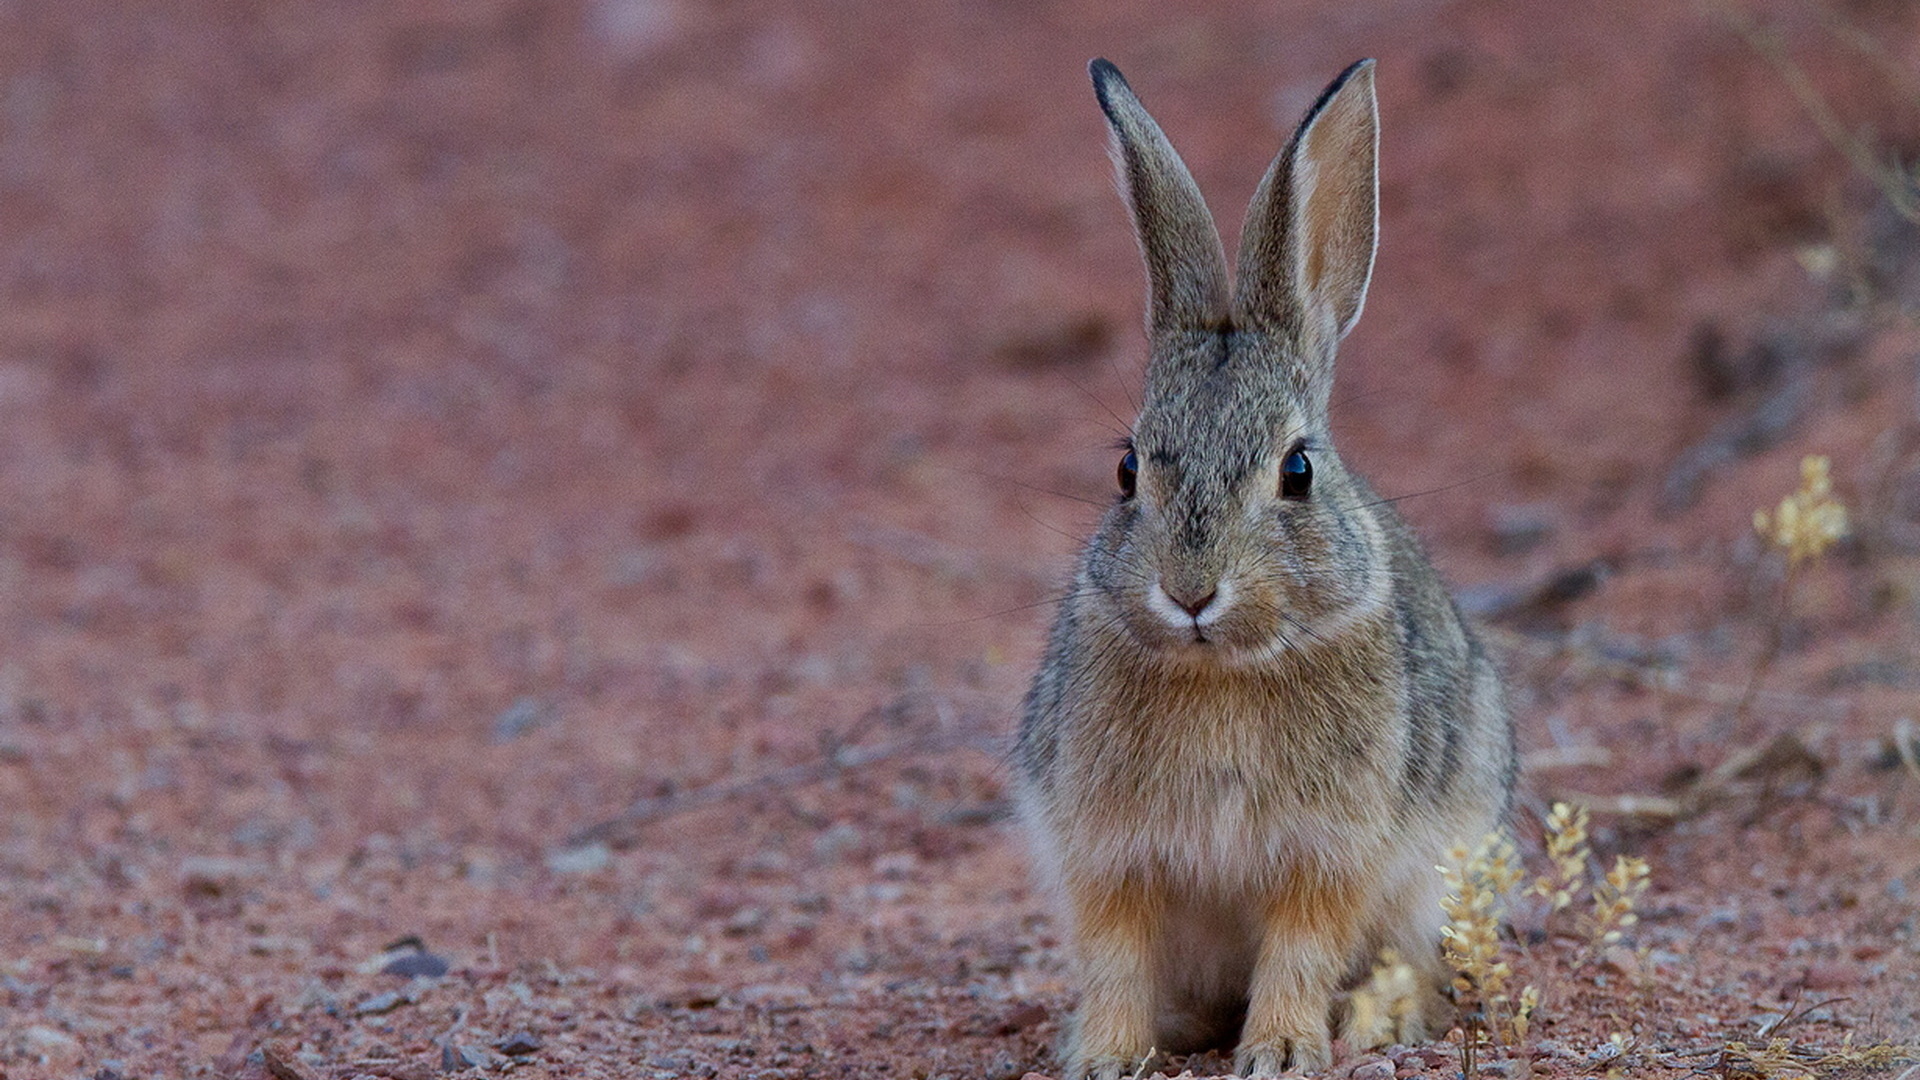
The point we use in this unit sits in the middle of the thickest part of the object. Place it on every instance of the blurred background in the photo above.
(429, 431)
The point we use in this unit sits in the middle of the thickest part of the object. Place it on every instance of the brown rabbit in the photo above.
(1261, 719)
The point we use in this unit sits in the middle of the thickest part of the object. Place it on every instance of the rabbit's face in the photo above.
(1244, 534)
(1240, 534)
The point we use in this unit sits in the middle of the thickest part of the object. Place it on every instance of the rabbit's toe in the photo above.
(1281, 1056)
(1100, 1068)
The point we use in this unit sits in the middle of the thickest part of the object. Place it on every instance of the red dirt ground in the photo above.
(427, 429)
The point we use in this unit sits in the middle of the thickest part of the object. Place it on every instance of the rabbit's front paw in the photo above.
(1103, 1068)
(1277, 1056)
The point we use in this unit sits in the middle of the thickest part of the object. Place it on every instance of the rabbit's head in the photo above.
(1240, 533)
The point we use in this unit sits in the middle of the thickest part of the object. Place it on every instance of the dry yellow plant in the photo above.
(1381, 1006)
(1805, 524)
(1478, 881)
(1566, 829)
(1615, 896)
(1523, 1013)
(1808, 521)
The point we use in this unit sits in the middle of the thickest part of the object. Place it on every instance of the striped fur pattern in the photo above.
(1260, 720)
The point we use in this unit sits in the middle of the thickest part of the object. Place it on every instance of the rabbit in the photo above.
(1260, 720)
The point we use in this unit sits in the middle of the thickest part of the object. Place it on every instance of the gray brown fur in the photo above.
(1241, 800)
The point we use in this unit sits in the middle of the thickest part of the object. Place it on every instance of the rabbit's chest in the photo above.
(1235, 798)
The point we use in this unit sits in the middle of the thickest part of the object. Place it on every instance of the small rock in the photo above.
(417, 964)
(50, 1046)
(40, 1039)
(517, 719)
(315, 995)
(1381, 1069)
(774, 997)
(279, 1068)
(748, 920)
(518, 1044)
(837, 841)
(1621, 961)
(1022, 1018)
(584, 859)
(212, 877)
(457, 1058)
(380, 1004)
(896, 866)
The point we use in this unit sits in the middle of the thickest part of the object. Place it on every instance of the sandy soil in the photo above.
(428, 430)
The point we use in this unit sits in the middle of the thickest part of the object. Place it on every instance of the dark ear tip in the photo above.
(1332, 91)
(1353, 69)
(1105, 76)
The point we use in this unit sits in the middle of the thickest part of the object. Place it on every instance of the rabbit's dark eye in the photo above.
(1129, 472)
(1296, 475)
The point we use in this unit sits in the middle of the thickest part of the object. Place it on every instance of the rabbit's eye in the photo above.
(1129, 472)
(1296, 475)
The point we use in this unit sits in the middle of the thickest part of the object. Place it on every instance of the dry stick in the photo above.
(1894, 184)
(623, 831)
(1864, 43)
(1662, 680)
(1775, 636)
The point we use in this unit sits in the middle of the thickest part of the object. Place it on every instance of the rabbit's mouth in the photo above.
(1237, 624)
(1206, 623)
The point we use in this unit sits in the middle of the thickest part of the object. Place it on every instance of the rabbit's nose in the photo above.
(1193, 598)
(1188, 605)
(1197, 604)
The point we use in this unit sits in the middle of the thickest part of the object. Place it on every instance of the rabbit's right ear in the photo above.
(1186, 266)
(1307, 249)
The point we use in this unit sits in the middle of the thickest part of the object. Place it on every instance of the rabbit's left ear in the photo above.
(1186, 267)
(1306, 251)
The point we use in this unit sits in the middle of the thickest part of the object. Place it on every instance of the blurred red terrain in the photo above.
(427, 429)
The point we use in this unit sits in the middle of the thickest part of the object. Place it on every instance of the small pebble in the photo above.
(1374, 1070)
(584, 859)
(417, 964)
(518, 1044)
(1023, 1017)
(380, 1004)
(455, 1058)
(518, 718)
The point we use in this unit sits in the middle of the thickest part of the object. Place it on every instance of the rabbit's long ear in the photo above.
(1307, 249)
(1186, 267)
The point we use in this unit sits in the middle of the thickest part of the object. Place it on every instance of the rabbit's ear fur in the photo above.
(1306, 251)
(1186, 267)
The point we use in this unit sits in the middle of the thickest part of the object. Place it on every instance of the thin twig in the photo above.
(1776, 636)
(1898, 188)
(1663, 680)
(623, 831)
